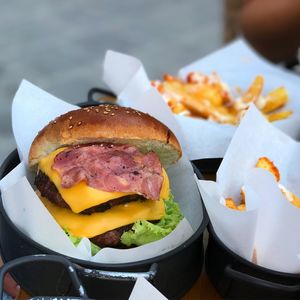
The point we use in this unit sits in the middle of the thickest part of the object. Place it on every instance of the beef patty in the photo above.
(111, 238)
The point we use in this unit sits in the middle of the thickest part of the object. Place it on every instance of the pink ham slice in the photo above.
(111, 168)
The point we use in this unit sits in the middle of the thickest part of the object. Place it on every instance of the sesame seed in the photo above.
(107, 109)
(70, 118)
(54, 121)
(105, 112)
(97, 110)
(71, 126)
(79, 123)
(116, 107)
(127, 111)
(112, 114)
(88, 110)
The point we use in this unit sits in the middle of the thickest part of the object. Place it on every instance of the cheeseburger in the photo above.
(100, 171)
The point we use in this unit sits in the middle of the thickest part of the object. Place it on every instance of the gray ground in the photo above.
(59, 45)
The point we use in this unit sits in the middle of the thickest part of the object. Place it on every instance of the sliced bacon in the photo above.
(111, 168)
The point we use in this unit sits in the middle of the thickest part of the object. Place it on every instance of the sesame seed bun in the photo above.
(106, 123)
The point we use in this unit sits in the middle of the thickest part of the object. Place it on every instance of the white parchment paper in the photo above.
(143, 289)
(31, 112)
(32, 109)
(134, 89)
(237, 64)
(270, 226)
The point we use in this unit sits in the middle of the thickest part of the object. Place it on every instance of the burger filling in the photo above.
(105, 192)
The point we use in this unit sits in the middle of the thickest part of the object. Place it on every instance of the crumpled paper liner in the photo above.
(268, 230)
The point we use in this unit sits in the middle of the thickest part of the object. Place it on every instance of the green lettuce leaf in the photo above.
(76, 240)
(144, 232)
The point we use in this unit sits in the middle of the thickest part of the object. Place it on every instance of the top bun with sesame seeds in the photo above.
(106, 124)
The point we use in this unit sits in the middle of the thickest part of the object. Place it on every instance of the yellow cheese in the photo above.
(81, 196)
(97, 223)
(165, 189)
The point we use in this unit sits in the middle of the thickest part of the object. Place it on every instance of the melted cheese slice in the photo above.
(81, 196)
(98, 223)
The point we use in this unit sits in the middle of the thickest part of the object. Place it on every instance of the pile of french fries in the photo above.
(206, 96)
(267, 164)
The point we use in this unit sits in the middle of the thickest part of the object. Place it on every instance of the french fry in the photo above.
(199, 108)
(230, 203)
(296, 201)
(223, 116)
(290, 196)
(254, 90)
(273, 100)
(265, 163)
(170, 78)
(208, 111)
(194, 77)
(207, 92)
(177, 107)
(241, 207)
(276, 116)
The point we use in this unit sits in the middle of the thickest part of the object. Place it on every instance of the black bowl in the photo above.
(173, 273)
(236, 278)
(233, 276)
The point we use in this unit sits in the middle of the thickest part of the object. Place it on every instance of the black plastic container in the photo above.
(33, 259)
(173, 273)
(236, 278)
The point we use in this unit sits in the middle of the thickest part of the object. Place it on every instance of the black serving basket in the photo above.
(172, 273)
(236, 278)
(36, 259)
